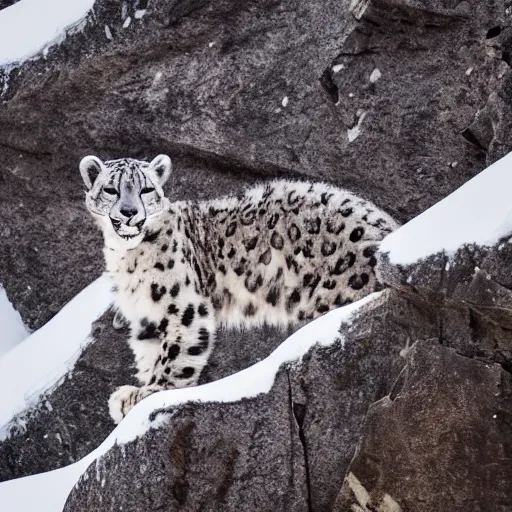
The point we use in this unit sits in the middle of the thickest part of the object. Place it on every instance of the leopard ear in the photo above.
(160, 169)
(90, 168)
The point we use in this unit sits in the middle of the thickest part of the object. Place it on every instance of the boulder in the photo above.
(439, 441)
(287, 449)
(400, 101)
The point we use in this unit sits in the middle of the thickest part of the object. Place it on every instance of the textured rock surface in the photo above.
(285, 450)
(73, 419)
(437, 437)
(207, 81)
(400, 100)
(440, 441)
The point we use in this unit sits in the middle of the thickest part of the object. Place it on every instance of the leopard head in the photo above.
(124, 195)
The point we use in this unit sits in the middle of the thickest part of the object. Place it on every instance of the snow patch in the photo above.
(355, 131)
(376, 74)
(30, 26)
(14, 330)
(285, 101)
(139, 14)
(47, 492)
(338, 67)
(34, 366)
(479, 212)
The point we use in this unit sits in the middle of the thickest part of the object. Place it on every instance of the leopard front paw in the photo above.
(125, 398)
(122, 401)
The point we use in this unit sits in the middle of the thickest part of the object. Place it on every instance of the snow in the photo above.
(376, 74)
(108, 32)
(31, 26)
(479, 212)
(13, 329)
(355, 131)
(34, 366)
(47, 492)
(285, 101)
(338, 67)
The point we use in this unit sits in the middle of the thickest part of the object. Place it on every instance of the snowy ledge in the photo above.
(46, 356)
(48, 492)
(479, 212)
(31, 26)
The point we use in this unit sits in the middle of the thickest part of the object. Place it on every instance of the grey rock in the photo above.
(72, 419)
(304, 433)
(440, 441)
(218, 464)
(436, 112)
(285, 450)
(205, 82)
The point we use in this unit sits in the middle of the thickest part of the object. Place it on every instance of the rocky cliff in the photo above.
(407, 408)
(401, 101)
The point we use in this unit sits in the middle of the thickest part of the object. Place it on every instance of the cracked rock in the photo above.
(440, 443)
(204, 81)
(284, 450)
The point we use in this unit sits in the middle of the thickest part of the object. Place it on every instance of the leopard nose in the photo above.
(128, 212)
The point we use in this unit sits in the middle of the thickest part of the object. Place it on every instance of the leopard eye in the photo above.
(110, 191)
(147, 190)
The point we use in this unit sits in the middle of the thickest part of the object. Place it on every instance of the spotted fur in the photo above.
(282, 252)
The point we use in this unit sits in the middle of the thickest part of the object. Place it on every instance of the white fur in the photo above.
(284, 252)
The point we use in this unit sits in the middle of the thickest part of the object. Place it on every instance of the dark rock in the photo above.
(293, 446)
(232, 461)
(434, 114)
(441, 441)
(205, 82)
(7, 3)
(72, 419)
(285, 450)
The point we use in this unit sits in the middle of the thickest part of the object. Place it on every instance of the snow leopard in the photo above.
(282, 252)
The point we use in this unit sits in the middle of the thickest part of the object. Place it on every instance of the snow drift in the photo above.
(34, 366)
(47, 492)
(479, 212)
(30, 26)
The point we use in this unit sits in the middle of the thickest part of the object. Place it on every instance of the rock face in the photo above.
(432, 366)
(72, 419)
(434, 370)
(285, 450)
(400, 100)
(450, 453)
(402, 105)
